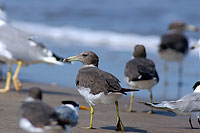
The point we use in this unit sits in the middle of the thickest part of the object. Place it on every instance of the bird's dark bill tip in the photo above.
(65, 60)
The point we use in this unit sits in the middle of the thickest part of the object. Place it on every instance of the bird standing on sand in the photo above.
(18, 47)
(97, 86)
(140, 73)
(187, 105)
(37, 116)
(69, 111)
(173, 47)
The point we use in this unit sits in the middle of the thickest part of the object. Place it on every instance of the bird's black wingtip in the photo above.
(123, 90)
(61, 59)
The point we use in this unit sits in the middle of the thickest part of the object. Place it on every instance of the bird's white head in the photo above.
(72, 104)
(196, 87)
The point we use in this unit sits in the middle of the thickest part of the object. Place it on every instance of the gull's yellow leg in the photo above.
(131, 103)
(16, 82)
(91, 118)
(120, 126)
(180, 79)
(8, 79)
(166, 83)
(151, 99)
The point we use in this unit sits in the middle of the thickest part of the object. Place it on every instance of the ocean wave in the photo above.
(92, 38)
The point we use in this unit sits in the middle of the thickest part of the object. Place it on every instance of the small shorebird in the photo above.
(97, 86)
(69, 111)
(37, 116)
(174, 47)
(18, 47)
(187, 105)
(140, 73)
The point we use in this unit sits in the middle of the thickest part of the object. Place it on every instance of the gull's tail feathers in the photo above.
(124, 90)
(163, 106)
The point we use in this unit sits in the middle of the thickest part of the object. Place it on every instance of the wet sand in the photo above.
(104, 117)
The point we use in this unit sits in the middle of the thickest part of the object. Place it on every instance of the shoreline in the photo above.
(104, 117)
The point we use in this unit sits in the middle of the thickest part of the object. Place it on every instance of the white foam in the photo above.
(93, 38)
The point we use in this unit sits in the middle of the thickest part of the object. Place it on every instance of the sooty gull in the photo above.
(140, 73)
(187, 105)
(97, 86)
(37, 116)
(18, 47)
(174, 47)
(69, 111)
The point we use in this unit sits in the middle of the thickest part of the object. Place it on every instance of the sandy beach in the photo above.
(104, 118)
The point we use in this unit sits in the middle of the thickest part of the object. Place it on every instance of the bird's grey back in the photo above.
(97, 80)
(175, 41)
(38, 113)
(187, 104)
(140, 66)
(18, 43)
(65, 112)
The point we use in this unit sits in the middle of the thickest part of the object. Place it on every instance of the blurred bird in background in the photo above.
(140, 73)
(69, 111)
(174, 47)
(37, 116)
(18, 47)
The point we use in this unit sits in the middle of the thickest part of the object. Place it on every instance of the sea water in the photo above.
(110, 28)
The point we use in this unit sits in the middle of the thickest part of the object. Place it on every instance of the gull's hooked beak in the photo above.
(72, 58)
(65, 60)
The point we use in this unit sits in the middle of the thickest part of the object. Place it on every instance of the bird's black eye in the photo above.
(85, 54)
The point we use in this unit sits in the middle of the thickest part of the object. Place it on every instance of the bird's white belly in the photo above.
(171, 55)
(195, 114)
(9, 61)
(141, 84)
(6, 55)
(98, 98)
(26, 125)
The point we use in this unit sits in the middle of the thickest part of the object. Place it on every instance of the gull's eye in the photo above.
(85, 54)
